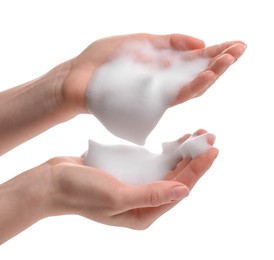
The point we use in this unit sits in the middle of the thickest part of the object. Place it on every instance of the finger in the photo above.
(143, 216)
(184, 138)
(184, 162)
(223, 56)
(233, 47)
(65, 159)
(185, 42)
(221, 64)
(199, 132)
(202, 82)
(217, 67)
(235, 50)
(147, 203)
(155, 194)
(205, 79)
(176, 41)
(142, 205)
(196, 168)
(210, 138)
(196, 133)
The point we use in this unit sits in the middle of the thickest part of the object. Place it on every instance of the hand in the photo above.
(83, 66)
(96, 195)
(64, 185)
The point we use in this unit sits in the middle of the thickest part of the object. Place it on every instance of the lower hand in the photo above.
(96, 195)
(64, 185)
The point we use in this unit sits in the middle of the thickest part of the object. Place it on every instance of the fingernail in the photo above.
(178, 193)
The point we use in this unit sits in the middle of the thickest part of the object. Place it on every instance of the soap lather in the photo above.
(134, 165)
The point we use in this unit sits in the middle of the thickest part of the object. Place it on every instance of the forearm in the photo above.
(32, 108)
(23, 201)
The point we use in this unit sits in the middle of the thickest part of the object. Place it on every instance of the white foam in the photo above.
(130, 93)
(134, 165)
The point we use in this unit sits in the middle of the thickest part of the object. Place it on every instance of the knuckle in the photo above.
(63, 159)
(154, 198)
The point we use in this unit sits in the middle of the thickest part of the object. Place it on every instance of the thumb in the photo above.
(156, 194)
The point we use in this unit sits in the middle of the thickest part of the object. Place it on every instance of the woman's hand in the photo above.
(96, 195)
(64, 185)
(221, 56)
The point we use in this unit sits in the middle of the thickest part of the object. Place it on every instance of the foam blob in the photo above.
(130, 93)
(134, 165)
(195, 145)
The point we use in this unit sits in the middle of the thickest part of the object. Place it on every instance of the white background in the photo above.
(229, 214)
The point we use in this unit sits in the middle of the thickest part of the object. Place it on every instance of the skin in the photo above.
(63, 185)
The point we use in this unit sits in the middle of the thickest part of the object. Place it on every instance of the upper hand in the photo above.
(83, 66)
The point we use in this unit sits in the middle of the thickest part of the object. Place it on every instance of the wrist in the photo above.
(24, 200)
(34, 107)
(59, 189)
(61, 89)
(74, 87)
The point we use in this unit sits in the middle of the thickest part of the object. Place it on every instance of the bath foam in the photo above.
(134, 165)
(130, 93)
